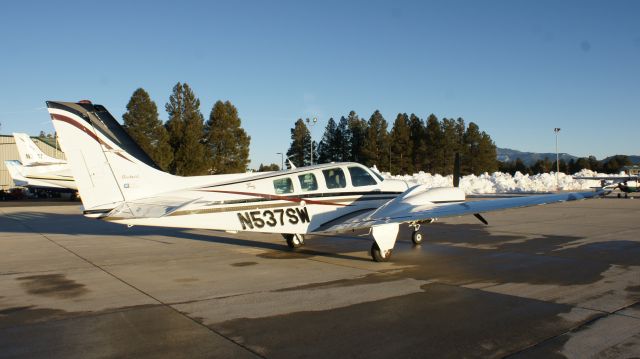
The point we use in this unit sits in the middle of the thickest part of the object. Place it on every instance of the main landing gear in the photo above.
(385, 236)
(379, 255)
(294, 240)
(416, 236)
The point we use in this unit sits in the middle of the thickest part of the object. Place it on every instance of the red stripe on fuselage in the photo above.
(284, 198)
(75, 124)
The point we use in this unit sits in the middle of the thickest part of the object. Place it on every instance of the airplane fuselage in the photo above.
(293, 201)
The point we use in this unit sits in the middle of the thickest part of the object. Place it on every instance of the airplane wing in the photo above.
(396, 212)
(612, 178)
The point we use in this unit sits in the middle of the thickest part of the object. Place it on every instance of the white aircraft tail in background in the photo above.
(30, 154)
(119, 183)
(38, 170)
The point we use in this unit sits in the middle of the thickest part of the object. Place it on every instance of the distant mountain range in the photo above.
(529, 158)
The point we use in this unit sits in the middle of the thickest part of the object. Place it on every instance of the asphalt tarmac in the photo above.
(560, 280)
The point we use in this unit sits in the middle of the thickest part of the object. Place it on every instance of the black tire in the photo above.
(417, 238)
(294, 240)
(619, 195)
(376, 253)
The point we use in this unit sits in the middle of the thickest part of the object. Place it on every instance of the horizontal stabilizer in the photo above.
(150, 208)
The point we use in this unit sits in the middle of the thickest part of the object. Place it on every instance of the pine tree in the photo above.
(487, 154)
(227, 141)
(186, 132)
(615, 164)
(539, 167)
(299, 152)
(582, 163)
(327, 147)
(470, 155)
(433, 146)
(450, 144)
(267, 168)
(357, 129)
(521, 167)
(343, 141)
(418, 144)
(401, 146)
(594, 165)
(563, 166)
(143, 125)
(376, 149)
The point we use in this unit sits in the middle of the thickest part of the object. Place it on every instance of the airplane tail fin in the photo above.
(29, 152)
(108, 166)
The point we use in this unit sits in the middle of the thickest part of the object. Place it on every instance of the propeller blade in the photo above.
(456, 170)
(480, 218)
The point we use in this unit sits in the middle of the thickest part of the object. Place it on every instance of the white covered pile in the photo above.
(499, 182)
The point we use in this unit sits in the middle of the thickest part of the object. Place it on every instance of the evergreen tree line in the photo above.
(612, 165)
(412, 145)
(185, 144)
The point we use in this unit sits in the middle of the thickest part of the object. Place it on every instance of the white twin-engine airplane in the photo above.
(119, 183)
(36, 169)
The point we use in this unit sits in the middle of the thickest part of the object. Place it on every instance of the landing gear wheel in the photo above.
(294, 240)
(378, 255)
(417, 238)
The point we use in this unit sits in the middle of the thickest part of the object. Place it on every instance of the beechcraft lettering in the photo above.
(324, 198)
(273, 218)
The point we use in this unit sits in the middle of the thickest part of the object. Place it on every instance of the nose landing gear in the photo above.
(294, 240)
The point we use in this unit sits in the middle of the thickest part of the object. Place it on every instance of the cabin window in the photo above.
(334, 177)
(361, 177)
(308, 182)
(283, 185)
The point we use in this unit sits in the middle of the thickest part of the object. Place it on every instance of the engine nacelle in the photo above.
(418, 198)
(421, 195)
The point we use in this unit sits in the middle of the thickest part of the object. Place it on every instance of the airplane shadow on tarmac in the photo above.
(452, 252)
(77, 225)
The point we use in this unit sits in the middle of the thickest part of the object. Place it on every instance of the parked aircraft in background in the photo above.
(36, 169)
(626, 184)
(118, 183)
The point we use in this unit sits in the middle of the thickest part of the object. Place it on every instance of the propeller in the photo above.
(456, 183)
(480, 218)
(456, 170)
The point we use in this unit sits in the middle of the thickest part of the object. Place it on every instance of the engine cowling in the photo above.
(418, 198)
(420, 195)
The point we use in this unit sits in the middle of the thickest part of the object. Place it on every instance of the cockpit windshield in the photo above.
(377, 175)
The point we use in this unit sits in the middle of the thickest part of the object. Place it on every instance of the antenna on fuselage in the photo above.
(291, 165)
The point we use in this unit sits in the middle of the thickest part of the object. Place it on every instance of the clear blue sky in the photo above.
(516, 68)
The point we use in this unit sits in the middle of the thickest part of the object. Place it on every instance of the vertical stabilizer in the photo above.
(108, 166)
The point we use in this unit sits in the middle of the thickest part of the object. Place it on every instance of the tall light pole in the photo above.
(311, 123)
(556, 130)
(281, 159)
